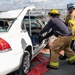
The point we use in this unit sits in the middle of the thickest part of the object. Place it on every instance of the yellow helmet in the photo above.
(54, 11)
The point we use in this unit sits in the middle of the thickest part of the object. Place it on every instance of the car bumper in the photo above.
(9, 62)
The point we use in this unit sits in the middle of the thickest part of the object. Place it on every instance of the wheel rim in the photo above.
(26, 65)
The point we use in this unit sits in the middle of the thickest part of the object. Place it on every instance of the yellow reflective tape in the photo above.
(54, 63)
(73, 38)
(73, 27)
(71, 58)
(71, 21)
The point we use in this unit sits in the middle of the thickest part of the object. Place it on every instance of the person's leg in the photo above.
(69, 52)
(56, 47)
(72, 46)
(70, 55)
(62, 43)
(63, 57)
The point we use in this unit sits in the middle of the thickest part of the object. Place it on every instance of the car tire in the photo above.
(25, 65)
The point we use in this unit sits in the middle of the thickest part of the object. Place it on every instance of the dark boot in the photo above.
(63, 57)
(71, 63)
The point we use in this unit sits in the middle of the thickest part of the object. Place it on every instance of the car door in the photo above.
(33, 28)
(25, 37)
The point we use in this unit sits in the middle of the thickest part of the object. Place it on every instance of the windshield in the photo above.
(5, 24)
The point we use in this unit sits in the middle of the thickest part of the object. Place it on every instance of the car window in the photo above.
(5, 25)
(33, 23)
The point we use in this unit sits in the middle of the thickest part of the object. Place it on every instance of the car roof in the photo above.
(11, 14)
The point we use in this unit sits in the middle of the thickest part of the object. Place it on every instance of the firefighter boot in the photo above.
(53, 65)
(71, 60)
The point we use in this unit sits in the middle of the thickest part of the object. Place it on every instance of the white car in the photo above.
(17, 46)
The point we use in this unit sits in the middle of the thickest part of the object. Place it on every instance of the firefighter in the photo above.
(70, 20)
(64, 38)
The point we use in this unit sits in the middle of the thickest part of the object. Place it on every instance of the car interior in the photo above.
(3, 25)
(35, 28)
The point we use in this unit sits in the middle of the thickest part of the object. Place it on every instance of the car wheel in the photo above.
(25, 65)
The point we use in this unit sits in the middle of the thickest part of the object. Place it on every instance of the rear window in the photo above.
(5, 25)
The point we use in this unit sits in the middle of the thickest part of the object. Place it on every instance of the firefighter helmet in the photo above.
(54, 11)
(71, 6)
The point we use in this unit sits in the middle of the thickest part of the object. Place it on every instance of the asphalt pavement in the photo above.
(64, 69)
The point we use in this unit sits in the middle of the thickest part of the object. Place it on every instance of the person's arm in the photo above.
(46, 28)
(48, 35)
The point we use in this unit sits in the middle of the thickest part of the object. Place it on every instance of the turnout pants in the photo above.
(61, 43)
